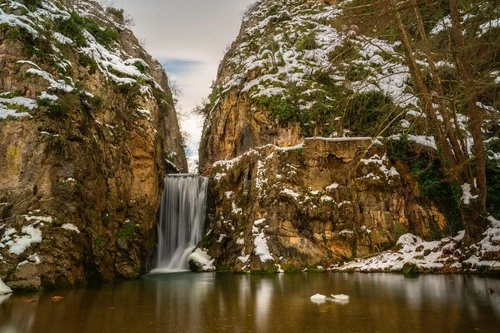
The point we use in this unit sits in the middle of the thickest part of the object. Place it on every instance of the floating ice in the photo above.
(340, 296)
(318, 298)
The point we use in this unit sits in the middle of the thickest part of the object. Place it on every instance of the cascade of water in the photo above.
(181, 221)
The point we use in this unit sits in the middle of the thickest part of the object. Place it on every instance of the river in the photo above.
(218, 302)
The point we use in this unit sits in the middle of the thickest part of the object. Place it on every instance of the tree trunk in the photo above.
(453, 153)
(475, 123)
(446, 152)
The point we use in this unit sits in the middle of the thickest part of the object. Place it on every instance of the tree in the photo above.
(452, 149)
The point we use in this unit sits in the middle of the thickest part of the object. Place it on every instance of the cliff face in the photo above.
(311, 205)
(87, 132)
(328, 79)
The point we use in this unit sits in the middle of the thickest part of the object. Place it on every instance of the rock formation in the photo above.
(311, 205)
(316, 144)
(87, 132)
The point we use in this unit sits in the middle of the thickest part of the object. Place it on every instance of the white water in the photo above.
(181, 221)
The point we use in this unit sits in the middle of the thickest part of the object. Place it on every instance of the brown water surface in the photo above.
(210, 302)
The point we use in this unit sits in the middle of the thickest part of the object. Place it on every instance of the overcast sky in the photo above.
(189, 37)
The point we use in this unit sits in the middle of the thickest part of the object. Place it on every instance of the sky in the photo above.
(189, 37)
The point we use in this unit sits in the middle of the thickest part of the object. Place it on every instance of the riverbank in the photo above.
(449, 255)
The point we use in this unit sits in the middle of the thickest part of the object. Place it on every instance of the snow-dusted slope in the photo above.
(87, 132)
(337, 70)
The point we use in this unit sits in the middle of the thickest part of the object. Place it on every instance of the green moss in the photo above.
(100, 242)
(410, 270)
(291, 268)
(127, 231)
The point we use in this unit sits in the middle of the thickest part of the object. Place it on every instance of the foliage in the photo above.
(32, 4)
(100, 242)
(306, 42)
(357, 72)
(214, 96)
(493, 183)
(164, 100)
(118, 13)
(74, 26)
(363, 111)
(140, 66)
(63, 106)
(127, 231)
(433, 183)
(87, 61)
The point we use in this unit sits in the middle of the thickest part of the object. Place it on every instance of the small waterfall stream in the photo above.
(181, 221)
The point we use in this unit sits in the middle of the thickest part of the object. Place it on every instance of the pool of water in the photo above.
(215, 302)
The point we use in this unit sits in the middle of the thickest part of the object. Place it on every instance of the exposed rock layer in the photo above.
(313, 204)
(82, 170)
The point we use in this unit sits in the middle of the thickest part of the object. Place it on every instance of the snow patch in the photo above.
(202, 260)
(291, 193)
(72, 227)
(19, 243)
(261, 247)
(4, 289)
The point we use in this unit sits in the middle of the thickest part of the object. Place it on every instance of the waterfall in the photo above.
(181, 221)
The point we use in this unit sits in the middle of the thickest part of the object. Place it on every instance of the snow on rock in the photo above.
(333, 186)
(487, 250)
(57, 85)
(261, 247)
(244, 258)
(445, 255)
(9, 106)
(21, 21)
(291, 193)
(19, 243)
(392, 172)
(257, 222)
(72, 227)
(4, 289)
(201, 260)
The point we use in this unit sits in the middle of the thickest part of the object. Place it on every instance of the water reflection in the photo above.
(212, 302)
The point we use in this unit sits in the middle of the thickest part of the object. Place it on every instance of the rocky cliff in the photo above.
(316, 141)
(87, 132)
(308, 206)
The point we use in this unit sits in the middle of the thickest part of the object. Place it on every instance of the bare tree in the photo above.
(453, 150)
